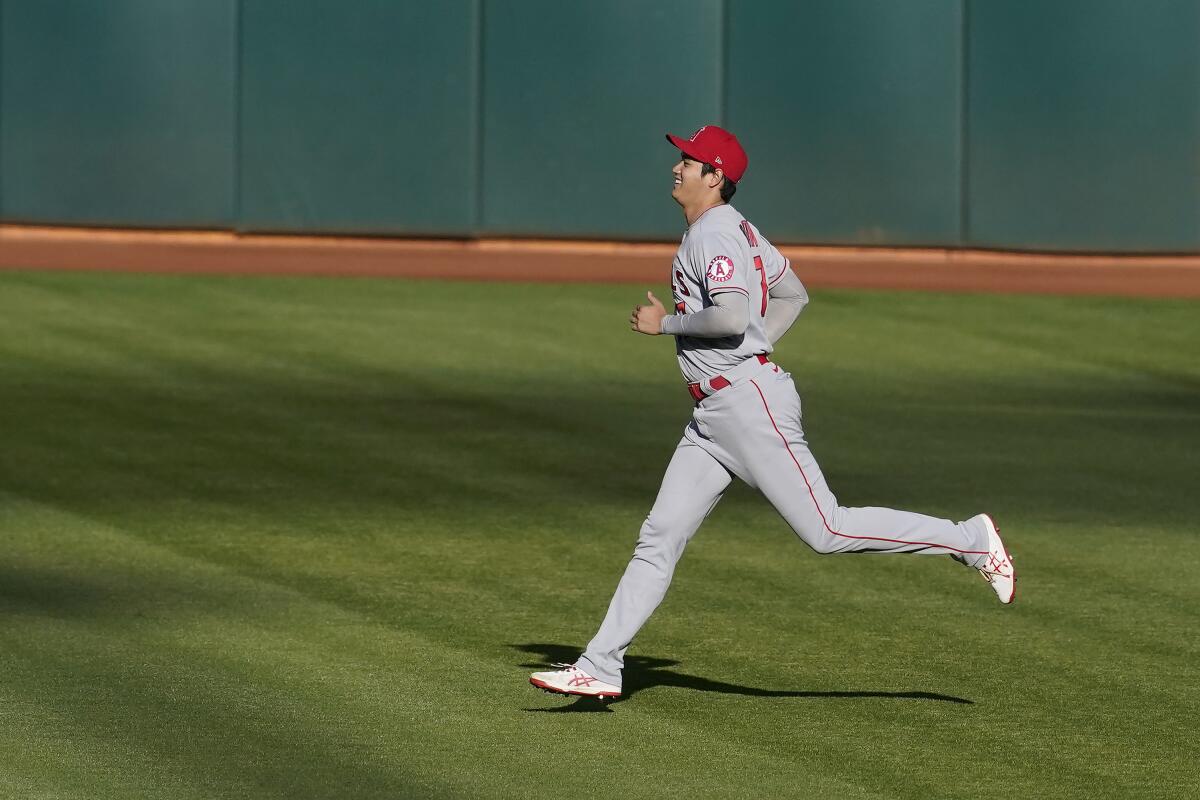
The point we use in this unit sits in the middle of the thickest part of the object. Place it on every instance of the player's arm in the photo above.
(786, 299)
(729, 315)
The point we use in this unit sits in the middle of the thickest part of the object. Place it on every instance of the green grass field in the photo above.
(305, 538)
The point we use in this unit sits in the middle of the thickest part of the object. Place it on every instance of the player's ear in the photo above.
(715, 177)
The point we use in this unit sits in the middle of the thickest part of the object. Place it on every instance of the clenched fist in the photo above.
(648, 319)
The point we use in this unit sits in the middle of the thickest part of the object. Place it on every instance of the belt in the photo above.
(718, 383)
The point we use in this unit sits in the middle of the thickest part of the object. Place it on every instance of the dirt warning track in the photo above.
(28, 247)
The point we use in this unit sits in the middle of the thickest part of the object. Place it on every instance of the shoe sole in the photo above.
(1012, 597)
(545, 687)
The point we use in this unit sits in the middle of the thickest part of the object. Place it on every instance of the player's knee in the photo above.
(668, 524)
(823, 544)
(818, 531)
(821, 540)
(661, 540)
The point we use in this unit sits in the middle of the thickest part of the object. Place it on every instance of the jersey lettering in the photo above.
(748, 232)
(681, 284)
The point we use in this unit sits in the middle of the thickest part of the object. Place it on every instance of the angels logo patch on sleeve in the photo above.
(720, 269)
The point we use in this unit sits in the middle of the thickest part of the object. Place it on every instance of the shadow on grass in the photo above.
(206, 432)
(644, 672)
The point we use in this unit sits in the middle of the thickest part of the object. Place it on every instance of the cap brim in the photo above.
(680, 144)
(687, 148)
(683, 146)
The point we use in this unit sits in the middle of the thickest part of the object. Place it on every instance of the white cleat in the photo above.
(998, 570)
(569, 679)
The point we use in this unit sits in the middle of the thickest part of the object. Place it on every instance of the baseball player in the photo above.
(735, 295)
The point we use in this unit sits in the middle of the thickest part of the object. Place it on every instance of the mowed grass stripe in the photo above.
(359, 512)
(212, 680)
(167, 670)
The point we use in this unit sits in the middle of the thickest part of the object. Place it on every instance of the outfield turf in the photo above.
(306, 538)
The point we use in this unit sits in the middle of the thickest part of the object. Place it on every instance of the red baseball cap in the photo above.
(715, 146)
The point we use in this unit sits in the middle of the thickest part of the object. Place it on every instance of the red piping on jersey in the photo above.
(818, 505)
(787, 266)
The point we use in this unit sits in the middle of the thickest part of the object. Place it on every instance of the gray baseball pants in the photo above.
(751, 429)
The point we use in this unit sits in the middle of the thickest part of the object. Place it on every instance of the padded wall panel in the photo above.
(1084, 124)
(850, 111)
(359, 117)
(117, 113)
(577, 98)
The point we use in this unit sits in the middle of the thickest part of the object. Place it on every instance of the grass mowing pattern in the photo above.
(306, 538)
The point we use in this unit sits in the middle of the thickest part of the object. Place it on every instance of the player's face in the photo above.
(689, 183)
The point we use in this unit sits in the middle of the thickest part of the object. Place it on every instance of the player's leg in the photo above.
(691, 487)
(769, 441)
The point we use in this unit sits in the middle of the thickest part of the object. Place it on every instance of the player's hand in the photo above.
(648, 319)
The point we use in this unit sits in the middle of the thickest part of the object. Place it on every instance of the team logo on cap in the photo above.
(720, 269)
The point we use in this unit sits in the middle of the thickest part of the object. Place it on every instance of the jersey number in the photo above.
(762, 276)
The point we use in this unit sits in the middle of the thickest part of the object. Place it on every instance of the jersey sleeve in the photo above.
(774, 263)
(724, 265)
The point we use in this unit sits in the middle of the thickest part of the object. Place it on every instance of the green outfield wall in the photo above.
(359, 117)
(120, 112)
(1055, 124)
(1084, 124)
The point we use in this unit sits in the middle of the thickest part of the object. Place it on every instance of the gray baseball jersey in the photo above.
(747, 423)
(721, 252)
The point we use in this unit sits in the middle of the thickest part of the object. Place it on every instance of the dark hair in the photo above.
(728, 187)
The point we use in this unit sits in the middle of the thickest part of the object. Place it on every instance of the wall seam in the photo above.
(236, 222)
(964, 127)
(3, 5)
(477, 225)
(723, 77)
